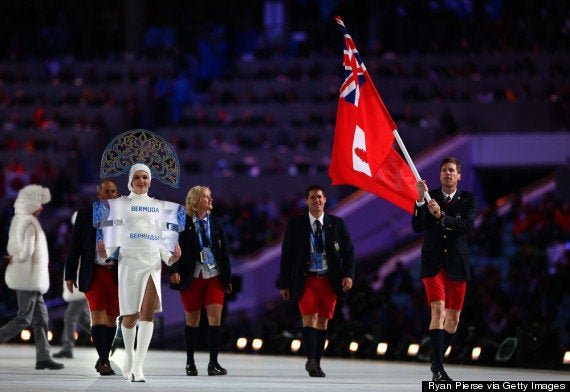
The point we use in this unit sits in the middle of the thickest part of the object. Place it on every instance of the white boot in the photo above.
(129, 341)
(144, 337)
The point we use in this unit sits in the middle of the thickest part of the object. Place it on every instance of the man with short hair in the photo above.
(97, 278)
(447, 218)
(317, 267)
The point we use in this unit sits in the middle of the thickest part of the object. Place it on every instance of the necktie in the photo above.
(202, 225)
(447, 202)
(318, 237)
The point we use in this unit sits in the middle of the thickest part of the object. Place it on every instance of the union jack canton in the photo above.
(354, 69)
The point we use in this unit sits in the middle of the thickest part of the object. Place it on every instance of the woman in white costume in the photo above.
(139, 276)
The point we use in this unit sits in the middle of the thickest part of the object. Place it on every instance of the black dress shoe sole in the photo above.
(312, 368)
(191, 371)
(441, 377)
(217, 371)
(106, 371)
(50, 367)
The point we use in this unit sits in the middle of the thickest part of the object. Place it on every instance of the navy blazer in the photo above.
(190, 247)
(445, 243)
(296, 254)
(82, 248)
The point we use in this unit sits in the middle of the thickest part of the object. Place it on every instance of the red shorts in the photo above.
(103, 293)
(208, 291)
(441, 288)
(318, 298)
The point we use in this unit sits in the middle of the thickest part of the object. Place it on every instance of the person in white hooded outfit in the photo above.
(139, 274)
(27, 272)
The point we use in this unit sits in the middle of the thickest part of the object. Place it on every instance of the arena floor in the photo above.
(164, 371)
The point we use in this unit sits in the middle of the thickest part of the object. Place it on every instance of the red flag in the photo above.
(363, 153)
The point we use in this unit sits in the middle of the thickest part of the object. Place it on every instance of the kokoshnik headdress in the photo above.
(111, 216)
(141, 146)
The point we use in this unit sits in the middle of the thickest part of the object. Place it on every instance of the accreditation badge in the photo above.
(316, 261)
(207, 257)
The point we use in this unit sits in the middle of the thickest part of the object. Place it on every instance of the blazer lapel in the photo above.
(440, 198)
(306, 231)
(327, 229)
(455, 201)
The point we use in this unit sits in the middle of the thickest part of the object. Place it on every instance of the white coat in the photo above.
(28, 247)
(137, 263)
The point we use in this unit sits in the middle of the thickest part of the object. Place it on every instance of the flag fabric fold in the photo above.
(363, 153)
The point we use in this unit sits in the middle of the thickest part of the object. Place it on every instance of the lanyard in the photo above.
(314, 240)
(199, 223)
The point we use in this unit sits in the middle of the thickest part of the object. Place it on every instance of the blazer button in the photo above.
(445, 250)
(444, 236)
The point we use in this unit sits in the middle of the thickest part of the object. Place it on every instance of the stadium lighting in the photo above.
(566, 358)
(256, 344)
(295, 345)
(25, 335)
(241, 343)
(382, 348)
(413, 349)
(475, 353)
(353, 347)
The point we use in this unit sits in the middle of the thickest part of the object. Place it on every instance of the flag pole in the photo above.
(409, 160)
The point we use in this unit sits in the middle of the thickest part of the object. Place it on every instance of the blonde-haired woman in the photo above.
(202, 275)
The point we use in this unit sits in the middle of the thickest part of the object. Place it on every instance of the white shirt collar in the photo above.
(312, 219)
(450, 195)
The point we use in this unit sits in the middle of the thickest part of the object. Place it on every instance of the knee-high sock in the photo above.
(320, 348)
(99, 336)
(109, 340)
(144, 336)
(214, 339)
(436, 342)
(190, 339)
(310, 341)
(447, 339)
(129, 340)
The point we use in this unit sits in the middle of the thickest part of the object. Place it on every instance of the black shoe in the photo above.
(214, 369)
(63, 354)
(320, 372)
(441, 376)
(191, 369)
(104, 368)
(312, 367)
(49, 364)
